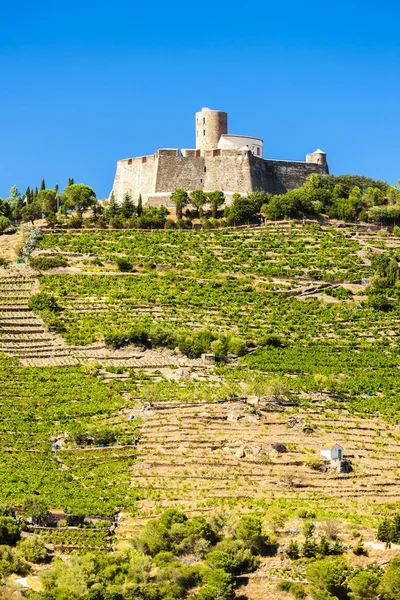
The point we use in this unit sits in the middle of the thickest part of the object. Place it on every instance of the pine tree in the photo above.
(112, 208)
(309, 549)
(70, 181)
(139, 209)
(385, 532)
(396, 529)
(293, 551)
(42, 185)
(127, 207)
(323, 546)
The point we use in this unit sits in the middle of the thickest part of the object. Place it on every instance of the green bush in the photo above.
(42, 302)
(44, 263)
(10, 531)
(124, 265)
(32, 549)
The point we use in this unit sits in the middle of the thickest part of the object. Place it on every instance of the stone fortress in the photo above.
(221, 161)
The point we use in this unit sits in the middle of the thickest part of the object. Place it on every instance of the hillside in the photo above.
(203, 371)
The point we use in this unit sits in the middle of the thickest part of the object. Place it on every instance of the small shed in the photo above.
(55, 516)
(332, 451)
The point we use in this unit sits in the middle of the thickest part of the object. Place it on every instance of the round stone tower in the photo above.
(318, 157)
(210, 125)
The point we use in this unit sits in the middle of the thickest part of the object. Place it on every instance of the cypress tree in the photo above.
(139, 209)
(56, 188)
(70, 181)
(28, 195)
(127, 207)
(35, 193)
(42, 185)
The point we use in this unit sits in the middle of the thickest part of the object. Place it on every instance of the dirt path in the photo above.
(10, 244)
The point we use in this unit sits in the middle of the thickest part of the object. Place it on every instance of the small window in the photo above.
(201, 180)
(204, 120)
(205, 169)
(204, 132)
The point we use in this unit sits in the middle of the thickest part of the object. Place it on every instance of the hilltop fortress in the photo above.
(221, 161)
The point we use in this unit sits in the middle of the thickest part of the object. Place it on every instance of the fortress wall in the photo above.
(135, 176)
(279, 177)
(174, 171)
(227, 170)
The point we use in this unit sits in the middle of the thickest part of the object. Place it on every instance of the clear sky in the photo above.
(86, 83)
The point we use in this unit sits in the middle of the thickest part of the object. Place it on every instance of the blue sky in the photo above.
(84, 84)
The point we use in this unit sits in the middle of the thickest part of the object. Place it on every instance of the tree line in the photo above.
(347, 197)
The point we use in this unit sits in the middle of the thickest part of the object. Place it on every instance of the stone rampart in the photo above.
(229, 170)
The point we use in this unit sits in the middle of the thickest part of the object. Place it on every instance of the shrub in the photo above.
(75, 221)
(379, 302)
(124, 265)
(4, 223)
(42, 301)
(10, 531)
(271, 340)
(236, 345)
(44, 263)
(32, 549)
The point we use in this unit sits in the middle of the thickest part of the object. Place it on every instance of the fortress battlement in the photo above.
(231, 163)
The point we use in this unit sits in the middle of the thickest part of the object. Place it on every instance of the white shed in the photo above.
(332, 451)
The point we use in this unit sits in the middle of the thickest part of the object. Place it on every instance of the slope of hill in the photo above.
(302, 321)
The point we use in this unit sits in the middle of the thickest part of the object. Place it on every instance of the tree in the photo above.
(31, 212)
(79, 197)
(389, 586)
(28, 193)
(198, 198)
(219, 349)
(70, 181)
(32, 549)
(328, 576)
(14, 195)
(139, 209)
(308, 529)
(293, 551)
(48, 200)
(36, 508)
(180, 199)
(42, 185)
(216, 200)
(250, 531)
(364, 586)
(127, 208)
(219, 585)
(10, 531)
(112, 209)
(4, 223)
(373, 196)
(155, 537)
(242, 209)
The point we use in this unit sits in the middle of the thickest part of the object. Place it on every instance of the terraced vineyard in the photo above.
(317, 363)
(38, 408)
(22, 334)
(222, 455)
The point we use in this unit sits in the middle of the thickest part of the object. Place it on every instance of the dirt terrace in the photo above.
(202, 456)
